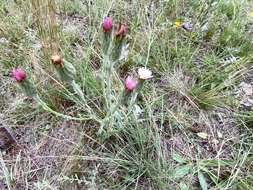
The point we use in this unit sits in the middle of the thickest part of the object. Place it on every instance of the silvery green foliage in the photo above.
(118, 46)
(107, 37)
(28, 87)
(77, 90)
(67, 73)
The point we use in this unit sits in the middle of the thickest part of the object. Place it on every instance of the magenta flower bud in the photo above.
(107, 24)
(130, 83)
(18, 75)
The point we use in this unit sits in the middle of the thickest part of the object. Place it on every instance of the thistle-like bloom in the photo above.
(107, 24)
(18, 75)
(130, 83)
(144, 73)
(121, 30)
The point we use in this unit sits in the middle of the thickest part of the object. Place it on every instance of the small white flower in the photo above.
(144, 73)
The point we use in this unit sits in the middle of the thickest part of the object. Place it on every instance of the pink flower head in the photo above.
(107, 24)
(18, 75)
(130, 83)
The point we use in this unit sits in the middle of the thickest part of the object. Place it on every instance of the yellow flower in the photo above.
(144, 73)
(178, 24)
(251, 14)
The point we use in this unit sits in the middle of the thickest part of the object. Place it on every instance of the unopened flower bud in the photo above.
(56, 59)
(26, 85)
(121, 30)
(130, 83)
(107, 24)
(18, 75)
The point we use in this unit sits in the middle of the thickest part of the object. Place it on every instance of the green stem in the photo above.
(47, 108)
(76, 88)
(114, 108)
(105, 80)
(134, 96)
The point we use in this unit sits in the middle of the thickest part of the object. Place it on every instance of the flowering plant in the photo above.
(115, 101)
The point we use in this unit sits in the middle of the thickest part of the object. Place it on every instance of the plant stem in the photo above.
(47, 108)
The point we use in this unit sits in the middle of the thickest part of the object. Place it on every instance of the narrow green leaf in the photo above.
(183, 186)
(182, 171)
(178, 158)
(202, 181)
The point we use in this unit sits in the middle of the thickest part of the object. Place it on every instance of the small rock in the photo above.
(219, 134)
(247, 89)
(203, 135)
(187, 26)
(205, 27)
(250, 100)
(3, 41)
(215, 141)
(247, 103)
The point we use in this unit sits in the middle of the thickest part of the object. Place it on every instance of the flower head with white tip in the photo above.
(144, 73)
